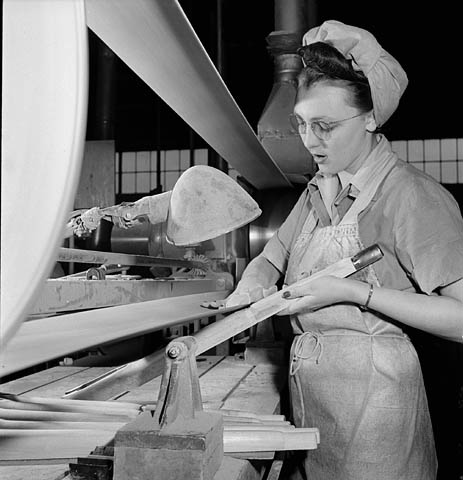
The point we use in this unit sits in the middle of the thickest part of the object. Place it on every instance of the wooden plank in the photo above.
(42, 415)
(39, 379)
(220, 380)
(34, 472)
(148, 392)
(58, 445)
(233, 324)
(96, 182)
(230, 469)
(46, 339)
(121, 380)
(59, 387)
(275, 303)
(259, 391)
(271, 440)
(217, 384)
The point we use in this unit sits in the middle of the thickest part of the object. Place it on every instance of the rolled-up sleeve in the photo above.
(278, 248)
(429, 236)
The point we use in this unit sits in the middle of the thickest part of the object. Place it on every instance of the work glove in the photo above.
(243, 295)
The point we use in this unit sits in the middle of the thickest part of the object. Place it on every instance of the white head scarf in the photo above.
(386, 77)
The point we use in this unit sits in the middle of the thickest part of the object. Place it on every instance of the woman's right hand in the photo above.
(242, 297)
(248, 296)
(251, 288)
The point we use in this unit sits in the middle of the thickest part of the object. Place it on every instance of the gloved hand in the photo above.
(242, 296)
(248, 296)
(83, 224)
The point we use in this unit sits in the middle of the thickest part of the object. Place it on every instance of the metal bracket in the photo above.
(179, 396)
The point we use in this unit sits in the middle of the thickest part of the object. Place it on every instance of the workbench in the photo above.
(226, 382)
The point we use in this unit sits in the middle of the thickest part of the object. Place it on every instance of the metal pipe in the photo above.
(274, 130)
(291, 15)
(106, 258)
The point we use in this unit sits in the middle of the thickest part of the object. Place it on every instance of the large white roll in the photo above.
(44, 92)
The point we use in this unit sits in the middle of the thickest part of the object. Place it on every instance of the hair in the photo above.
(325, 64)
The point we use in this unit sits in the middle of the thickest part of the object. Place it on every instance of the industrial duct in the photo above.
(274, 130)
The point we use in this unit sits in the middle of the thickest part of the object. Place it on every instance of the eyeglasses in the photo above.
(321, 130)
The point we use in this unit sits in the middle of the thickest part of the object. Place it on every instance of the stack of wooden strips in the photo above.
(33, 428)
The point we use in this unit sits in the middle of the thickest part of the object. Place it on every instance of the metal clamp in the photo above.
(179, 395)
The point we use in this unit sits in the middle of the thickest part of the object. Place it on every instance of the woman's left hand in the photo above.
(319, 293)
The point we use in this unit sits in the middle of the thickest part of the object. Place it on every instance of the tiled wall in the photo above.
(136, 171)
(440, 158)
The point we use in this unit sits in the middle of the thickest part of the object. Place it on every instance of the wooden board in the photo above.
(220, 380)
(96, 183)
(46, 339)
(218, 383)
(148, 392)
(34, 472)
(81, 376)
(31, 382)
(231, 469)
(20, 445)
(258, 390)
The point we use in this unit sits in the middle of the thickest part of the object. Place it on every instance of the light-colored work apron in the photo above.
(354, 374)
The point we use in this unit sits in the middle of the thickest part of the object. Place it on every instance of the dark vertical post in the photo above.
(214, 159)
(158, 145)
(103, 128)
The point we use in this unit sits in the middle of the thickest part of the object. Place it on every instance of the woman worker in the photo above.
(354, 374)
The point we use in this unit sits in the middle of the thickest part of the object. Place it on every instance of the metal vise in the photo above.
(178, 439)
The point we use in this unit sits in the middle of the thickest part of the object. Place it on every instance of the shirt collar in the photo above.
(360, 178)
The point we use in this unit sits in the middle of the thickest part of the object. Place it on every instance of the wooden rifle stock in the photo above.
(140, 371)
(237, 322)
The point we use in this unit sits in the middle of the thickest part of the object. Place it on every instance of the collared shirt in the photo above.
(414, 219)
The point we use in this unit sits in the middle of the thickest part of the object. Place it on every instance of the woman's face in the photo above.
(349, 142)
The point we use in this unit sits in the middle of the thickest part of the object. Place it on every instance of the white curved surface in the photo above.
(44, 91)
(156, 40)
(54, 337)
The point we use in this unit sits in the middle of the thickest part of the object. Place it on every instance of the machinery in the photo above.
(176, 438)
(204, 204)
(83, 406)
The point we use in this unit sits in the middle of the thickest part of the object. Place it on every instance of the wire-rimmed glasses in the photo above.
(321, 129)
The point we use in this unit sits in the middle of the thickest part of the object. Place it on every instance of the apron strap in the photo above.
(306, 225)
(378, 172)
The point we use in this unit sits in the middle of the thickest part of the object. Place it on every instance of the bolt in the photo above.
(173, 352)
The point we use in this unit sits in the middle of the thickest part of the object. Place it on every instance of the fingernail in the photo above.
(286, 294)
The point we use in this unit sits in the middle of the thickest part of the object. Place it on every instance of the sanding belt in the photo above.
(156, 40)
